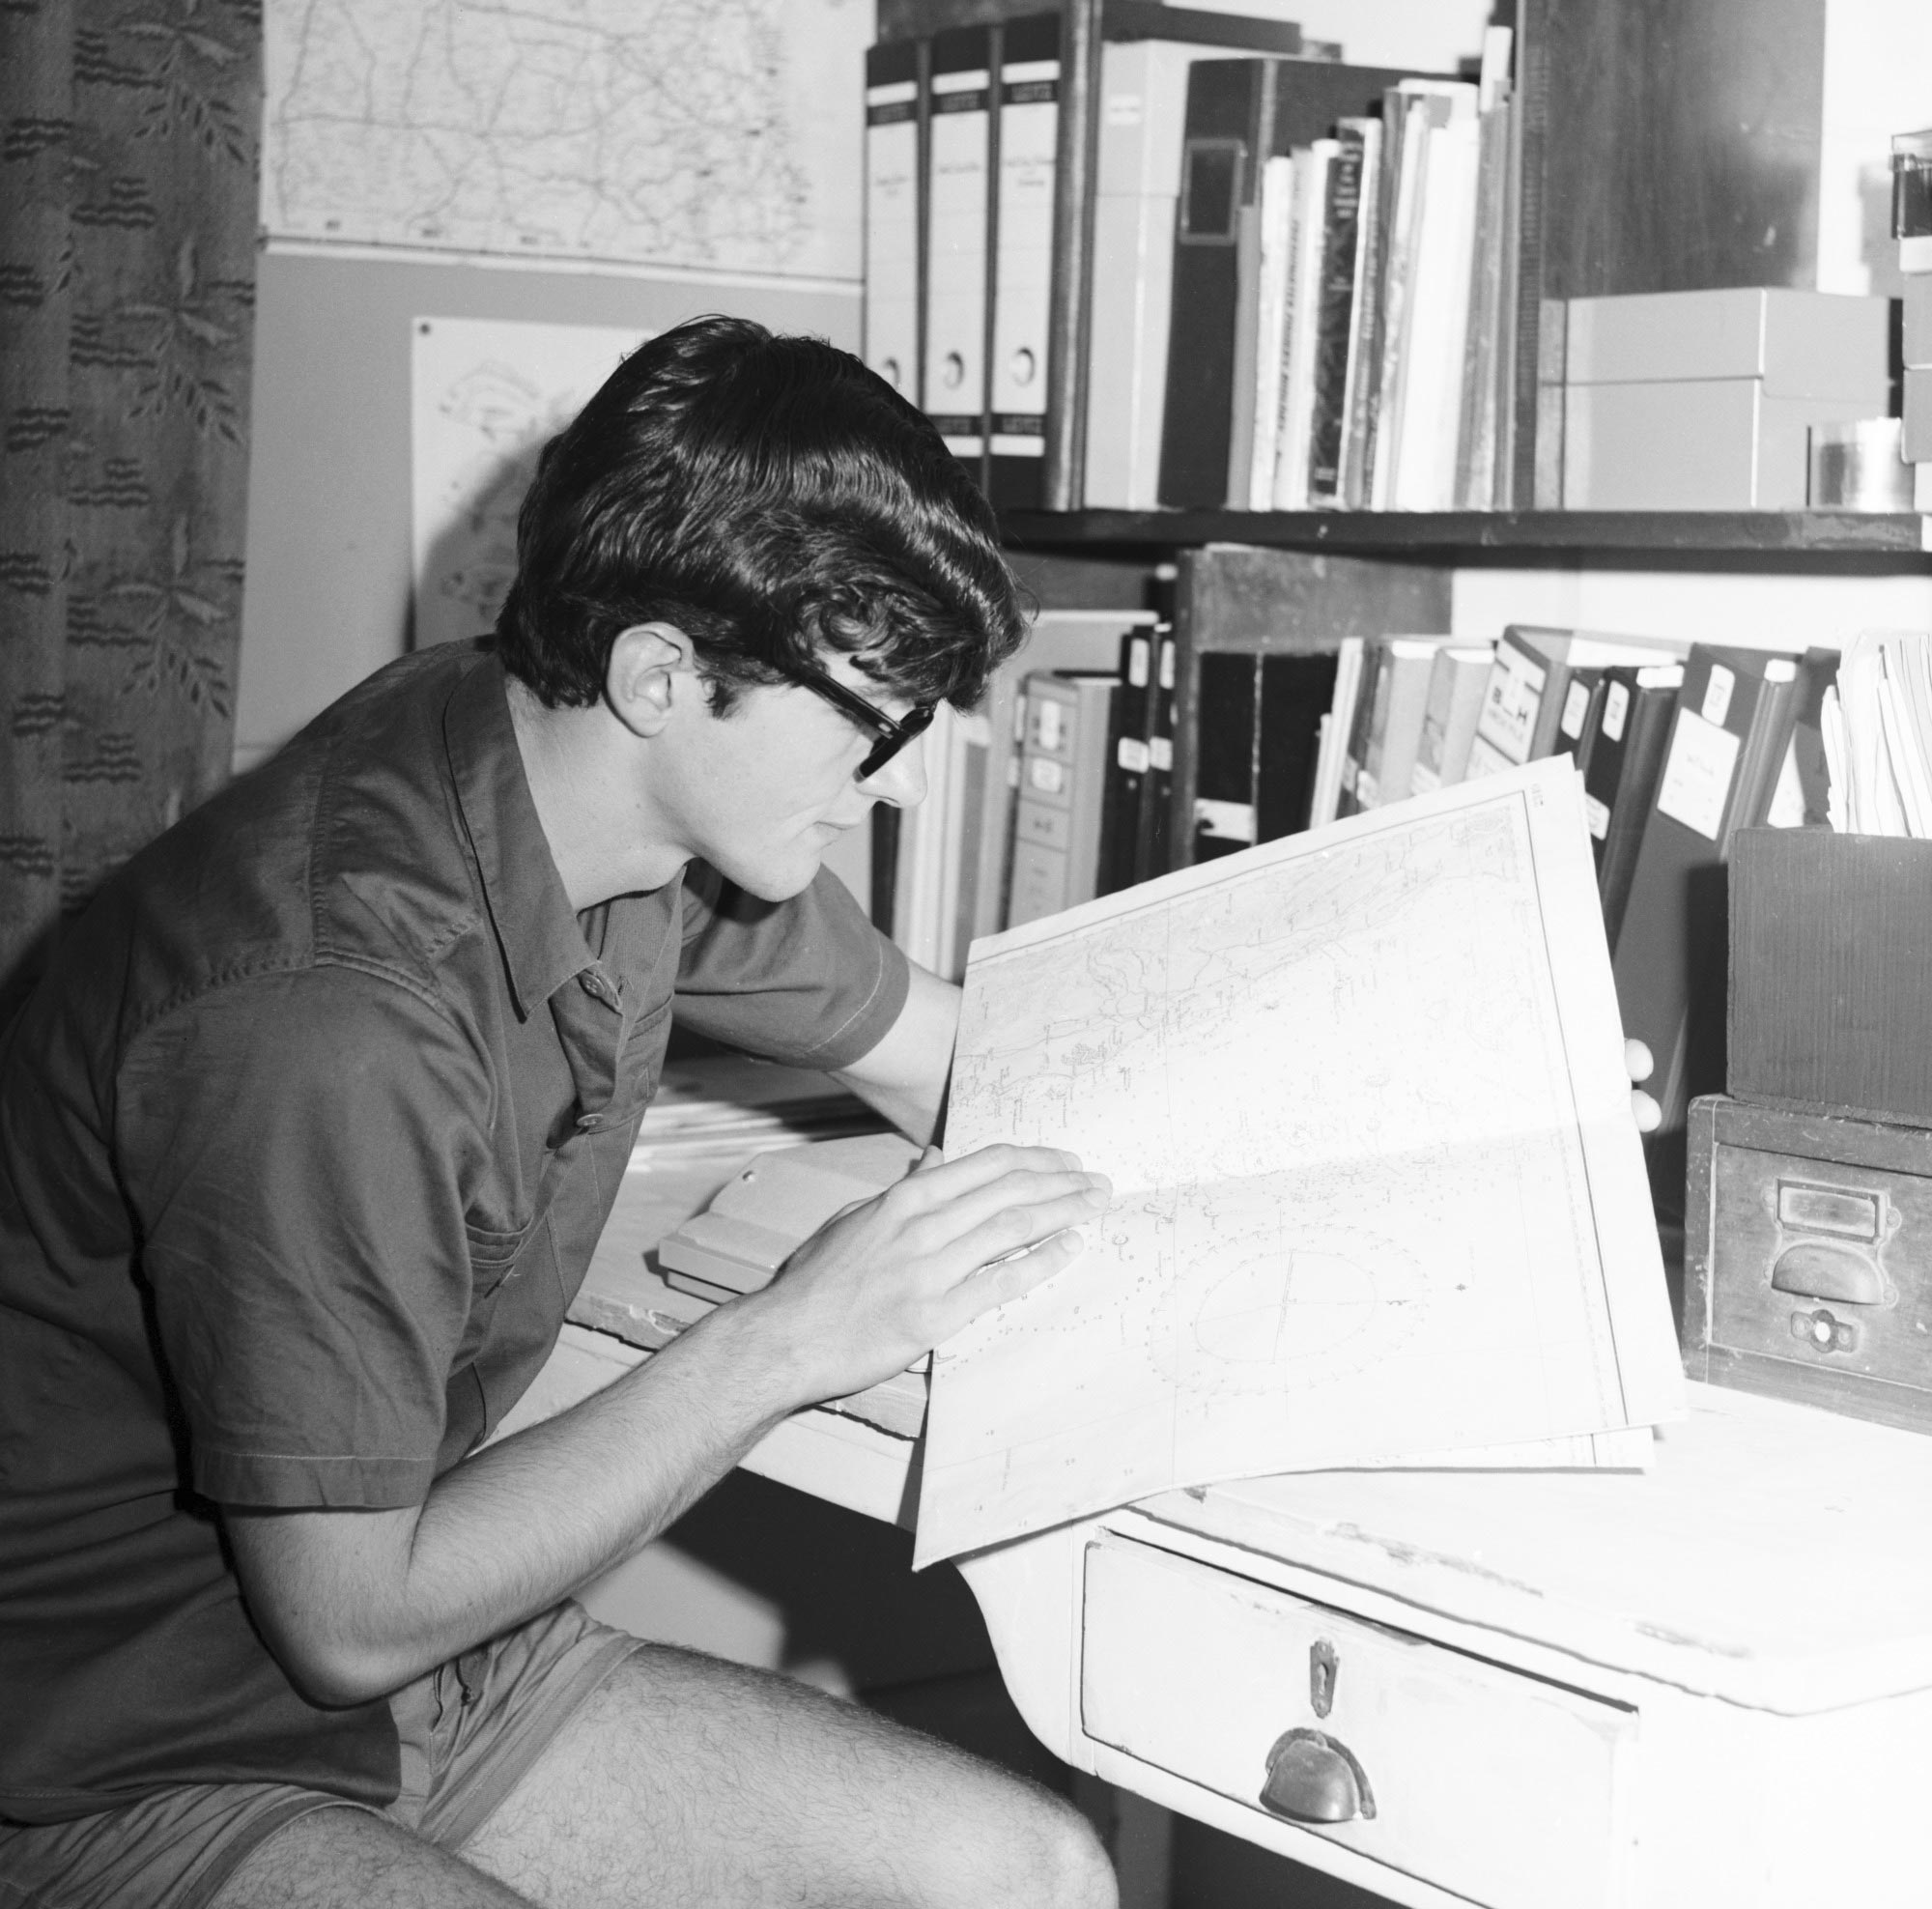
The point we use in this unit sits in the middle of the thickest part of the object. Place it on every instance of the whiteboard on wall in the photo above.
(718, 135)
(485, 396)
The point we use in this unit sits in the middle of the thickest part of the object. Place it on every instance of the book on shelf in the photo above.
(1061, 792)
(942, 870)
(1259, 716)
(1396, 674)
(1280, 478)
(1022, 269)
(1729, 731)
(1128, 761)
(1155, 854)
(1241, 113)
(1802, 798)
(1458, 675)
(935, 897)
(975, 110)
(1576, 717)
(1315, 477)
(1620, 776)
(1137, 181)
(1524, 702)
(1480, 455)
(1332, 744)
(960, 152)
(1295, 692)
(1429, 125)
(1224, 755)
(1257, 430)
(892, 114)
(1240, 602)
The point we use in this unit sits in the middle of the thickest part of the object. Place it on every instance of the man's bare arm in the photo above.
(904, 1075)
(356, 1602)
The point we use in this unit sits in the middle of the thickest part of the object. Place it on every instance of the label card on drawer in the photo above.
(1488, 1781)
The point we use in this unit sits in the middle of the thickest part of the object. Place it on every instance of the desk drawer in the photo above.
(1483, 1779)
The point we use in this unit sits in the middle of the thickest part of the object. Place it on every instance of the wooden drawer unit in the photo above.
(1809, 1259)
(1484, 1781)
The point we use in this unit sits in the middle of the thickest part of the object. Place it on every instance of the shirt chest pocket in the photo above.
(496, 1253)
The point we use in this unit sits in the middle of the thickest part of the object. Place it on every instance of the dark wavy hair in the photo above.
(770, 496)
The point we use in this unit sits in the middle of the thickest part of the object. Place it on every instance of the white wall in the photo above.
(1755, 609)
(328, 550)
(1878, 81)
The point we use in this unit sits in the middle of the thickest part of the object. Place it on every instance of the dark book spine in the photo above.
(1296, 694)
(1224, 753)
(1622, 777)
(1371, 705)
(1156, 850)
(1126, 766)
(1529, 129)
(1219, 164)
(1335, 295)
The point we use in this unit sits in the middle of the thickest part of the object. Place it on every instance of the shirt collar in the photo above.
(543, 946)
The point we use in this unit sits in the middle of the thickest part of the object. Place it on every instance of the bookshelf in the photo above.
(1895, 539)
(1666, 145)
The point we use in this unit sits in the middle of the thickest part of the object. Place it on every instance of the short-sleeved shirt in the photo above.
(304, 1147)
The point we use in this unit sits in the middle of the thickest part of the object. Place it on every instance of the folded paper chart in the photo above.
(1378, 1192)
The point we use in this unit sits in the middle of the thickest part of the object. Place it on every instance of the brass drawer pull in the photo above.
(1313, 1777)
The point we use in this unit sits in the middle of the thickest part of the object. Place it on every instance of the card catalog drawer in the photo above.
(1480, 1778)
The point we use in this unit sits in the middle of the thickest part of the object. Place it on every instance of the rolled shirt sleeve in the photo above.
(809, 981)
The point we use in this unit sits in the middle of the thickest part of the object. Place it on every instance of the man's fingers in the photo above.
(1637, 1060)
(985, 1227)
(1004, 1215)
(940, 1179)
(995, 1285)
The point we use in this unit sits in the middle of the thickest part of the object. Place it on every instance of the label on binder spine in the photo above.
(1696, 779)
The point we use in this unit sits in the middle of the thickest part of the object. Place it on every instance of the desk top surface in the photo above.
(1774, 1555)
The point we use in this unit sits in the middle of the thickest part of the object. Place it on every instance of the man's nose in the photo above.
(902, 782)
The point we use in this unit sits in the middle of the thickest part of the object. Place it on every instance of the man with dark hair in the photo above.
(305, 1148)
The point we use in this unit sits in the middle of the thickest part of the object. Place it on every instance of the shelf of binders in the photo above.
(1811, 533)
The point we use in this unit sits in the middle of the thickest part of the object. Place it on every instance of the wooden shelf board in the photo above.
(1816, 533)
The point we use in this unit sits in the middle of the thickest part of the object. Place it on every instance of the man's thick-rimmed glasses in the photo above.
(893, 736)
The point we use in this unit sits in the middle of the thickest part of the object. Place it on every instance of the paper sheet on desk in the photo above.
(1378, 1190)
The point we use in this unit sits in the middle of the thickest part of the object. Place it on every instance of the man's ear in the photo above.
(653, 668)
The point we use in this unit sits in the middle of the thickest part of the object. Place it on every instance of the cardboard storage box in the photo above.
(1918, 328)
(1917, 445)
(1702, 400)
(1830, 972)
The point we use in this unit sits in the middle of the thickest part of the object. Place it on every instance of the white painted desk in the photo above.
(1710, 1685)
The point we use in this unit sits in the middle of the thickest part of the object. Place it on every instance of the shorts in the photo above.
(468, 1731)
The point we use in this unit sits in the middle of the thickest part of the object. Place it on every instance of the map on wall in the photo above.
(714, 135)
(1379, 1198)
(485, 396)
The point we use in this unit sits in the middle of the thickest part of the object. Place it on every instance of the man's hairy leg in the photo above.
(348, 1858)
(685, 1779)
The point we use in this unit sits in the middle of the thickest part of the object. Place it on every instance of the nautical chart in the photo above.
(719, 134)
(1378, 1194)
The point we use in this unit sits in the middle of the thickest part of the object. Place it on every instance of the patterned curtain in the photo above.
(129, 150)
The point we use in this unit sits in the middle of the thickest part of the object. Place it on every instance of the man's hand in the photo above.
(888, 1279)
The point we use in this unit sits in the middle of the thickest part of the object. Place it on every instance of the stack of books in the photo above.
(1045, 796)
(1911, 226)
(1289, 282)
